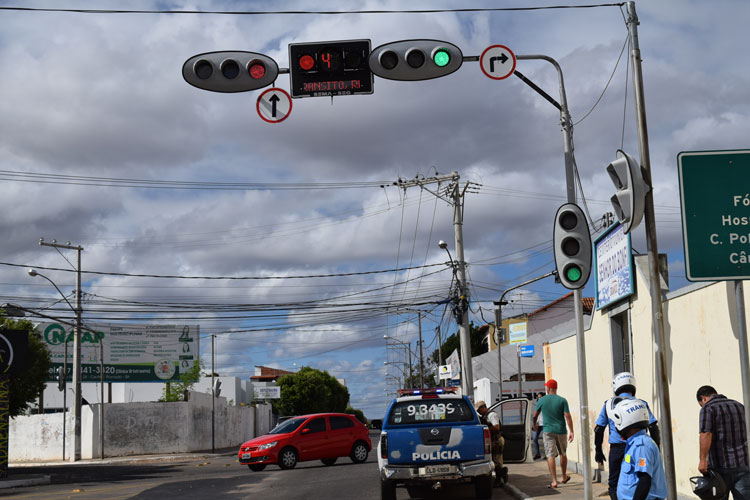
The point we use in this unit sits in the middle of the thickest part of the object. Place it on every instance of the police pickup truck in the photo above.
(432, 437)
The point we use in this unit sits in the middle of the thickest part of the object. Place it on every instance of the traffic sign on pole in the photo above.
(497, 62)
(715, 206)
(274, 105)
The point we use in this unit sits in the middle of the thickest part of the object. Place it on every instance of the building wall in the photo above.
(702, 348)
(139, 428)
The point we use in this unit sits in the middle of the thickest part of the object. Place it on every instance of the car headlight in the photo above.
(268, 445)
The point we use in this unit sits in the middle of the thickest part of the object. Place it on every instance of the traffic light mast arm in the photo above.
(499, 324)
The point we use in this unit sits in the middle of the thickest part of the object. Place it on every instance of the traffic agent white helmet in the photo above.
(621, 381)
(629, 413)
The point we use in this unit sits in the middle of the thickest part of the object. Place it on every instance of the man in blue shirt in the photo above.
(642, 473)
(623, 385)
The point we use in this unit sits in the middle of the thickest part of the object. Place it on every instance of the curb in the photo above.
(515, 492)
(29, 481)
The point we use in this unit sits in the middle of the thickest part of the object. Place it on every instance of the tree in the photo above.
(26, 386)
(310, 391)
(175, 391)
(357, 413)
(452, 343)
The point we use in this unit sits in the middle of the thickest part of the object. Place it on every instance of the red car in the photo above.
(322, 436)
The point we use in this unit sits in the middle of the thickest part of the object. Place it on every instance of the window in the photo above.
(341, 423)
(424, 411)
(619, 328)
(316, 425)
(287, 426)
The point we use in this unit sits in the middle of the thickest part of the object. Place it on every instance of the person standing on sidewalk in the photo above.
(492, 420)
(642, 473)
(537, 433)
(723, 440)
(555, 412)
(623, 385)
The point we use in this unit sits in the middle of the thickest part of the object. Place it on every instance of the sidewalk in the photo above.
(18, 475)
(531, 481)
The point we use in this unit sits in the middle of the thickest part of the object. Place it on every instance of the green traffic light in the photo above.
(573, 273)
(441, 58)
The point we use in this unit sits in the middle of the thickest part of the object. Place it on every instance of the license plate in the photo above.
(245, 456)
(437, 469)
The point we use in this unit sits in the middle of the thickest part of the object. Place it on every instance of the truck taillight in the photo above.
(384, 445)
(487, 441)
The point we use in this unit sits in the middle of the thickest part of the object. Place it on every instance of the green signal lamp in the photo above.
(573, 273)
(441, 58)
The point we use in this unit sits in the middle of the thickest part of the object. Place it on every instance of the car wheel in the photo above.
(287, 458)
(387, 490)
(256, 467)
(329, 461)
(359, 452)
(483, 487)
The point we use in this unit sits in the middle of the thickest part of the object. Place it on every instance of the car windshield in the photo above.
(430, 411)
(287, 426)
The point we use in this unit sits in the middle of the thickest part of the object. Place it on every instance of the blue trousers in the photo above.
(535, 440)
(738, 482)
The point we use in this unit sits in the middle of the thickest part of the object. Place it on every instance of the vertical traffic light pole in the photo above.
(667, 447)
(213, 398)
(567, 128)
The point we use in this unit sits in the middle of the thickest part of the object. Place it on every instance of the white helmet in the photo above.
(621, 380)
(630, 412)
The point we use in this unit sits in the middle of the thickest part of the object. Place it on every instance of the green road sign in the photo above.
(715, 204)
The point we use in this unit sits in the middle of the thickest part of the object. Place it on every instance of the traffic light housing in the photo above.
(629, 201)
(319, 69)
(230, 71)
(60, 378)
(415, 60)
(572, 246)
(217, 388)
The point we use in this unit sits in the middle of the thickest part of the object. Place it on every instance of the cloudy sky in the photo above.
(303, 214)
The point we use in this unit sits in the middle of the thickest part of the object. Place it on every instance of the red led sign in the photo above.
(322, 69)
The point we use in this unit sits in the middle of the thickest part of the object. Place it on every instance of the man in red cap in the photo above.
(555, 412)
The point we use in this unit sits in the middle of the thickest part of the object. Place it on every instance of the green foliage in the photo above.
(357, 413)
(26, 386)
(451, 343)
(310, 391)
(175, 391)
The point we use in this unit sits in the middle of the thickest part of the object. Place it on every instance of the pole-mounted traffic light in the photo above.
(320, 69)
(230, 71)
(629, 179)
(414, 60)
(217, 388)
(572, 246)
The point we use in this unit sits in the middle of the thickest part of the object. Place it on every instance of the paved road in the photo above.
(214, 477)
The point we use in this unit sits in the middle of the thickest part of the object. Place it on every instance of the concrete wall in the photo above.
(140, 428)
(702, 348)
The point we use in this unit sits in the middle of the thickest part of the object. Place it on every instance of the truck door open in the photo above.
(516, 428)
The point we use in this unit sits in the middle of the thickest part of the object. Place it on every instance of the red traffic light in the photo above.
(256, 69)
(307, 62)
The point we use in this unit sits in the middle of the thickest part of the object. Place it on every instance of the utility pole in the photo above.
(665, 409)
(213, 397)
(421, 352)
(76, 453)
(453, 196)
(567, 129)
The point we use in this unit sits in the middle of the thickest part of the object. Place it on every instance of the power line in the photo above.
(307, 12)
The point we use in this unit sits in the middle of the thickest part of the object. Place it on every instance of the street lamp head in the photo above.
(386, 337)
(442, 244)
(32, 272)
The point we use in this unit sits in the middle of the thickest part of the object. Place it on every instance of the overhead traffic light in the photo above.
(320, 69)
(415, 60)
(230, 71)
(632, 187)
(572, 247)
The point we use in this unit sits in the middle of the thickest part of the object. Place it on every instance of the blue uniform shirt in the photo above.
(604, 420)
(641, 455)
